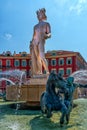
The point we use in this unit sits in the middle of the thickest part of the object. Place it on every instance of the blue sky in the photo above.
(68, 20)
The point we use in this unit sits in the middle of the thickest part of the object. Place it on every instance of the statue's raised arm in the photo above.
(80, 85)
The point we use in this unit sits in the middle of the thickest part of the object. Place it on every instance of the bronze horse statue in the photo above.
(51, 99)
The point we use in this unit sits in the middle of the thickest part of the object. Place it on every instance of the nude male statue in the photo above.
(42, 31)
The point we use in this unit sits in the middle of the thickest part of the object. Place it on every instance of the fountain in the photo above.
(14, 78)
(31, 90)
(80, 77)
(21, 89)
(1, 79)
(13, 91)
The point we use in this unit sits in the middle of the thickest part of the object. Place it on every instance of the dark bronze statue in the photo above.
(68, 95)
(52, 99)
(42, 31)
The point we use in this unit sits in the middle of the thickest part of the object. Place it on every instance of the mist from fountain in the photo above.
(15, 78)
(2, 79)
(80, 77)
(19, 90)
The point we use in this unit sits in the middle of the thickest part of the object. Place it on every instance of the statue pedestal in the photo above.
(30, 93)
(38, 79)
(37, 86)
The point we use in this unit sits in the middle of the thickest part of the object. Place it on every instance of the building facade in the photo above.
(65, 62)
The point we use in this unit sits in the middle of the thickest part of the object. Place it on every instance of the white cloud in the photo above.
(61, 2)
(7, 36)
(76, 8)
(82, 1)
(79, 6)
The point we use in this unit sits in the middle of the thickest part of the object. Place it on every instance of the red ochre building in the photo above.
(65, 62)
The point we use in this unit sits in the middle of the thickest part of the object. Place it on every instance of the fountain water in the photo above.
(15, 78)
(80, 77)
(1, 79)
(19, 89)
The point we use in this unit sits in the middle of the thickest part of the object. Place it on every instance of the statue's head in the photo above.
(41, 14)
(53, 79)
(70, 80)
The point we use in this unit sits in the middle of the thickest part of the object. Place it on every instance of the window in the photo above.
(54, 70)
(30, 62)
(53, 62)
(53, 53)
(61, 71)
(8, 53)
(69, 61)
(79, 64)
(8, 62)
(16, 63)
(68, 71)
(24, 63)
(61, 61)
(23, 54)
(0, 63)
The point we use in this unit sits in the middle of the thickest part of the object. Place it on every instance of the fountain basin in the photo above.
(29, 93)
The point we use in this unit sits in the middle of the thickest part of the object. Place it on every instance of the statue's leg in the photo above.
(39, 64)
(68, 113)
(49, 110)
(38, 59)
(64, 112)
(44, 62)
(42, 103)
(45, 65)
(67, 117)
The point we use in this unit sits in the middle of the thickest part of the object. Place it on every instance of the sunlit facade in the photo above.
(65, 62)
